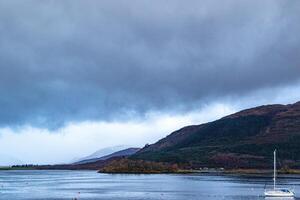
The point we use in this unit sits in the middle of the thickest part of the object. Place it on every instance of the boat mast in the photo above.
(275, 169)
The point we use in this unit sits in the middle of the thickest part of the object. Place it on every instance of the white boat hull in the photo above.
(279, 193)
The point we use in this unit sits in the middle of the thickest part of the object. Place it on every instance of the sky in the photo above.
(77, 76)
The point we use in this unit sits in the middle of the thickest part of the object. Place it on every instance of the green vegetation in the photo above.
(5, 168)
(138, 166)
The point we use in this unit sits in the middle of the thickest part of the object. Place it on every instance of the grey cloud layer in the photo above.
(77, 60)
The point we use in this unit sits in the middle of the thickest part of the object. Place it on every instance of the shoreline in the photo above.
(179, 171)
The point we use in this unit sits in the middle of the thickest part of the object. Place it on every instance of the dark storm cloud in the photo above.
(79, 60)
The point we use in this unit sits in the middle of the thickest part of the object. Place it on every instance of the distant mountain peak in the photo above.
(101, 152)
(121, 153)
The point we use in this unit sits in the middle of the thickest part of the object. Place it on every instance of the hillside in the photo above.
(125, 152)
(243, 140)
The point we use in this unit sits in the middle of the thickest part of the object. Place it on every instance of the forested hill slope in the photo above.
(243, 140)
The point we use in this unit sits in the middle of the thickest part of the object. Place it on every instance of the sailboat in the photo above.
(278, 192)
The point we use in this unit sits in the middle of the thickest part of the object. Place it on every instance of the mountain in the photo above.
(96, 165)
(242, 140)
(91, 164)
(100, 153)
(122, 153)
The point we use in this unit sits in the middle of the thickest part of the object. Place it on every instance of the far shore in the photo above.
(243, 171)
(180, 171)
(262, 171)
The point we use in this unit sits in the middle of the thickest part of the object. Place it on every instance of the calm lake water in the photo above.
(46, 185)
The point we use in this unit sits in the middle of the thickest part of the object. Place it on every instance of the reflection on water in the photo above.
(279, 198)
(89, 185)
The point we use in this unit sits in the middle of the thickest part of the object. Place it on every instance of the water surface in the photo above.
(89, 185)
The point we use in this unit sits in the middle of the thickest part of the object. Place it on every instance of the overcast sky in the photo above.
(78, 76)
